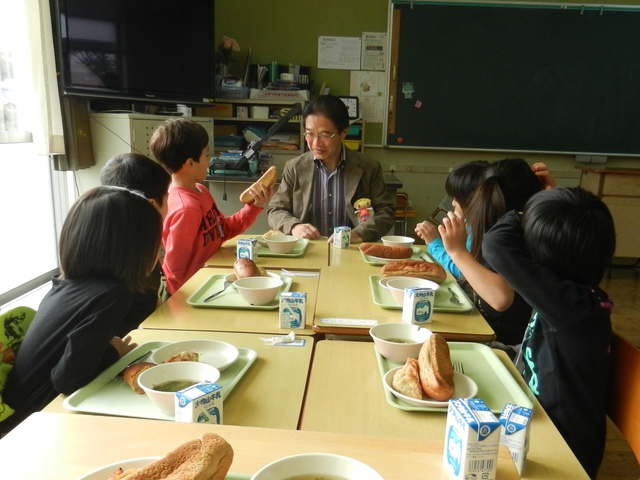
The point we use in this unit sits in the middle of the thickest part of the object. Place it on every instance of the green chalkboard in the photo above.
(541, 78)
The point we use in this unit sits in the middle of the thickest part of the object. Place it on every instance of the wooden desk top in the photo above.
(280, 370)
(609, 170)
(60, 447)
(177, 314)
(345, 395)
(314, 256)
(344, 292)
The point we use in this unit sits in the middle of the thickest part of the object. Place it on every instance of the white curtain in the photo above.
(26, 40)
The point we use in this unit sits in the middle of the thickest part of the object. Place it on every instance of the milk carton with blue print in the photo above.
(293, 307)
(418, 305)
(247, 248)
(199, 403)
(472, 437)
(516, 421)
(341, 237)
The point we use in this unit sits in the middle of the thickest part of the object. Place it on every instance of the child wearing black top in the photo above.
(554, 254)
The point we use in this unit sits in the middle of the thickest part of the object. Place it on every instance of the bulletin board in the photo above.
(516, 77)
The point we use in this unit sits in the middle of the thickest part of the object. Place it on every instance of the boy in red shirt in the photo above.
(194, 228)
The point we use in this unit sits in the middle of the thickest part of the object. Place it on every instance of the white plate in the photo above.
(465, 388)
(214, 352)
(103, 473)
(231, 277)
(386, 260)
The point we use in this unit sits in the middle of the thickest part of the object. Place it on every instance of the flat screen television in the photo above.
(139, 50)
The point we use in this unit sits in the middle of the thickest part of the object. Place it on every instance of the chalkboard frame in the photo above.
(459, 86)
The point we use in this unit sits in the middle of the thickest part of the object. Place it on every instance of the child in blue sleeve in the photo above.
(555, 255)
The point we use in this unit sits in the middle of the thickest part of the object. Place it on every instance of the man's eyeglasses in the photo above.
(319, 136)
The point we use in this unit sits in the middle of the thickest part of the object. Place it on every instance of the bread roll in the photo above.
(383, 251)
(132, 372)
(414, 268)
(407, 379)
(267, 179)
(206, 458)
(245, 267)
(436, 370)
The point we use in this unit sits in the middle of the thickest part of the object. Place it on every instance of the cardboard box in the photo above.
(219, 110)
(224, 130)
(259, 111)
(516, 425)
(293, 308)
(472, 438)
(199, 403)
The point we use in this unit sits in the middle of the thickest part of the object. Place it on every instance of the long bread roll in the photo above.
(383, 251)
(436, 370)
(414, 268)
(267, 179)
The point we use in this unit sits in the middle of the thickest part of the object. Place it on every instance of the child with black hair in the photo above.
(554, 255)
(109, 245)
(139, 173)
(194, 228)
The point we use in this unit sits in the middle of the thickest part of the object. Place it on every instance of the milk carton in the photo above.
(516, 421)
(199, 403)
(341, 237)
(293, 307)
(247, 248)
(418, 305)
(471, 441)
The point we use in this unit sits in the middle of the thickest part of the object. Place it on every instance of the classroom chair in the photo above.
(404, 211)
(624, 392)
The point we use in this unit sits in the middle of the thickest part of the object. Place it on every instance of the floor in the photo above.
(623, 286)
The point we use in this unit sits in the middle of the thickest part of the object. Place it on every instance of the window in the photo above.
(32, 196)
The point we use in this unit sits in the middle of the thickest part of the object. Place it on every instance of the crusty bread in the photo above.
(384, 251)
(267, 179)
(132, 372)
(206, 458)
(407, 379)
(414, 268)
(273, 233)
(436, 370)
(245, 267)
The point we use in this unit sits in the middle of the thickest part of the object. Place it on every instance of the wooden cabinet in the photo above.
(234, 116)
(619, 189)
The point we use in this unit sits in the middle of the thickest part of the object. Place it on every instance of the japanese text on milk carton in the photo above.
(293, 307)
(417, 305)
(341, 237)
(516, 421)
(247, 248)
(471, 441)
(199, 403)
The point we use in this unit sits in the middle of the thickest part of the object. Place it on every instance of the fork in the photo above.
(458, 367)
(224, 287)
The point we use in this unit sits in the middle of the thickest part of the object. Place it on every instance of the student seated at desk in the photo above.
(109, 245)
(319, 188)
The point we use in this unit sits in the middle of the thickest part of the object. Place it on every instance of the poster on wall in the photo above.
(339, 53)
(374, 51)
(370, 88)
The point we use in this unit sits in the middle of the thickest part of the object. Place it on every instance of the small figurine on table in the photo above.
(363, 209)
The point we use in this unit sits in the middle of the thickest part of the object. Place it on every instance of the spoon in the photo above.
(224, 287)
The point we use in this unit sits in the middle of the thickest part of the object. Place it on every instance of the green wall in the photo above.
(286, 31)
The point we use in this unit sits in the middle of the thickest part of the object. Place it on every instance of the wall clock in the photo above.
(353, 106)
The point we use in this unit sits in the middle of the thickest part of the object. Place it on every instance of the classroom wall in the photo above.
(287, 31)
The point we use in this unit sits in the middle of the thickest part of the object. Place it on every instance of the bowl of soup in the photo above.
(398, 341)
(316, 466)
(160, 383)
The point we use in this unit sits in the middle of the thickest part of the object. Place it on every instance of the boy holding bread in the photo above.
(194, 228)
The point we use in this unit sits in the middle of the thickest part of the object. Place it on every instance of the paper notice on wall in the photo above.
(374, 51)
(370, 88)
(340, 53)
